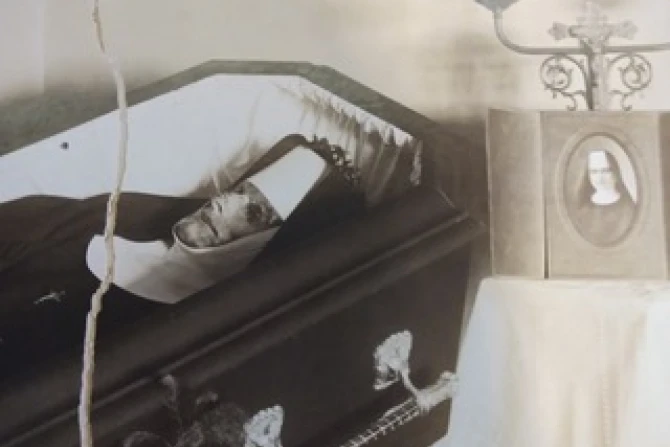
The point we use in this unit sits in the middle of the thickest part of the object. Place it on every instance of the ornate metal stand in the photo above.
(590, 60)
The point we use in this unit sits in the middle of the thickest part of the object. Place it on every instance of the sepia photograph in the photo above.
(600, 199)
(334, 223)
(250, 188)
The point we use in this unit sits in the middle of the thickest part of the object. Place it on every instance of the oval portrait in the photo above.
(601, 190)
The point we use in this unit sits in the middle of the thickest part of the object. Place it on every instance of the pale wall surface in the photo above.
(438, 56)
(21, 48)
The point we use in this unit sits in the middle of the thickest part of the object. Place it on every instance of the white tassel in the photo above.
(86, 391)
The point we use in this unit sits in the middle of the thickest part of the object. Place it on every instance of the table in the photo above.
(559, 363)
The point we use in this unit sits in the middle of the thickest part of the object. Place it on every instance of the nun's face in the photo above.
(226, 217)
(601, 176)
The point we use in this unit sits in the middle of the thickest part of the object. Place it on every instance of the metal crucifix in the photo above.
(593, 31)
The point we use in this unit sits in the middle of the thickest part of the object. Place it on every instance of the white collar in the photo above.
(158, 272)
(607, 197)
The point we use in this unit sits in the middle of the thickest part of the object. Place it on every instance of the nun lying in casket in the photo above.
(52, 253)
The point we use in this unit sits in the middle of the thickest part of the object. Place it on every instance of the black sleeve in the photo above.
(33, 224)
(43, 243)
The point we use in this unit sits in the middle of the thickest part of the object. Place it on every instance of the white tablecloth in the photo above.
(565, 363)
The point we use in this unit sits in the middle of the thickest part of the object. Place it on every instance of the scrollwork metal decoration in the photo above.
(635, 73)
(559, 78)
(264, 428)
(593, 33)
(391, 359)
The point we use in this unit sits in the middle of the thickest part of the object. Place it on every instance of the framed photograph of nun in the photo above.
(604, 197)
(600, 187)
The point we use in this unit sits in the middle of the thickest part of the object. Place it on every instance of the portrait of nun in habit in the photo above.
(603, 209)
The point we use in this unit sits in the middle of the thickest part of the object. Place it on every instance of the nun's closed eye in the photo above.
(214, 205)
(254, 212)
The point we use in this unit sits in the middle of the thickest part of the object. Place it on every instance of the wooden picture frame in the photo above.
(556, 167)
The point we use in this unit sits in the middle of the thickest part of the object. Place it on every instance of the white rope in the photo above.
(86, 391)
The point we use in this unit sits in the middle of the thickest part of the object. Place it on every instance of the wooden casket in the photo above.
(348, 337)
